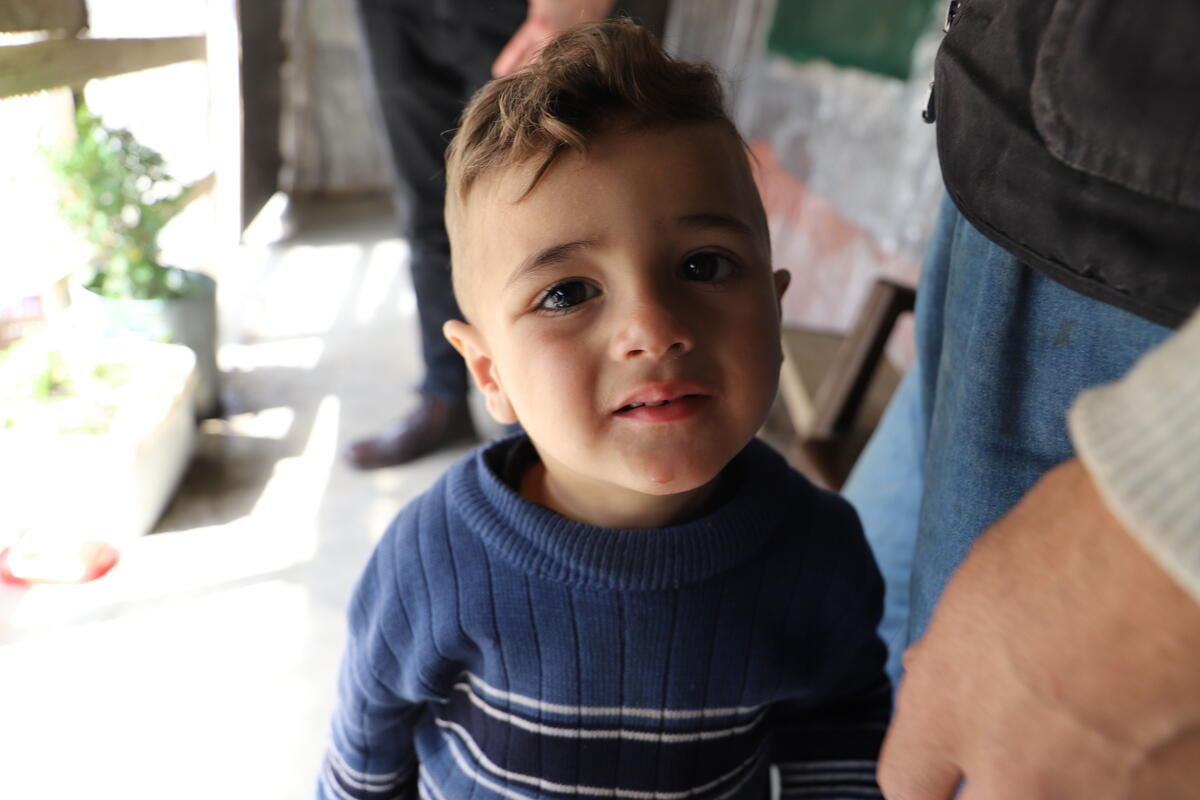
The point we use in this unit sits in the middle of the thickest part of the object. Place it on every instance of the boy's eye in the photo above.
(567, 294)
(706, 267)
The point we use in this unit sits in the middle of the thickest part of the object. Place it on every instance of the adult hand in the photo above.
(1061, 662)
(545, 20)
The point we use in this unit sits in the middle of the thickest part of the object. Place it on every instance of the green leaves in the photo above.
(118, 194)
(49, 388)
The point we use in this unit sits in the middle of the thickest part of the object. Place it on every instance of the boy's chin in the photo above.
(664, 483)
(667, 473)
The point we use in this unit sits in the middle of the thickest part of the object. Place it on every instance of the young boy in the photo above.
(633, 599)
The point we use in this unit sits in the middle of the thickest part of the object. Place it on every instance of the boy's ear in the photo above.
(470, 344)
(783, 279)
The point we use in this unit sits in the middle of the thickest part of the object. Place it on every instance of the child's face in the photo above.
(625, 312)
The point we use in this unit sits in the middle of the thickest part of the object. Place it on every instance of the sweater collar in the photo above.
(542, 542)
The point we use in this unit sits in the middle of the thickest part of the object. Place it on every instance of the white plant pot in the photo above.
(189, 320)
(111, 486)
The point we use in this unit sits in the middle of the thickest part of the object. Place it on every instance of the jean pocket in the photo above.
(1116, 93)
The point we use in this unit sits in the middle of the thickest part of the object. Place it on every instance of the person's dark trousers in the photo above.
(425, 58)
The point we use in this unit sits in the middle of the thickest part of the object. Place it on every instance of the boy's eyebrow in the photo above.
(717, 221)
(548, 257)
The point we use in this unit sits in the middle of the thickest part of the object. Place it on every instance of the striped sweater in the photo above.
(499, 650)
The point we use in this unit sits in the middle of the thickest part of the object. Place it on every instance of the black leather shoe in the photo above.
(434, 424)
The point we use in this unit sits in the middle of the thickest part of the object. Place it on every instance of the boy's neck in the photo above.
(608, 506)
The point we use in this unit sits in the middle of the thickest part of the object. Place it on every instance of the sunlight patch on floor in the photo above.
(384, 263)
(201, 697)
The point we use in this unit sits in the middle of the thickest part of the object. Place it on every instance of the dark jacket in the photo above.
(1069, 134)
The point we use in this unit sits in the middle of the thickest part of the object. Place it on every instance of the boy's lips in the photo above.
(663, 402)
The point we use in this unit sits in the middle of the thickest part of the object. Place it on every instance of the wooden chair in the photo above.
(853, 380)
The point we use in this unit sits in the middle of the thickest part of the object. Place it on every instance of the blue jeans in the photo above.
(1002, 352)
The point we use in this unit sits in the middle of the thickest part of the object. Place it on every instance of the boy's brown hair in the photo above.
(588, 80)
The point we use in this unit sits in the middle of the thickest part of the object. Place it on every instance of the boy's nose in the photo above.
(651, 328)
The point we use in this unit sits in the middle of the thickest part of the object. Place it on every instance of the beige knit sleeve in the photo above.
(1139, 439)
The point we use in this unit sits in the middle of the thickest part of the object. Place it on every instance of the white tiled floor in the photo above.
(203, 665)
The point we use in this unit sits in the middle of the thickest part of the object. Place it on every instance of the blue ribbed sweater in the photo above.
(498, 649)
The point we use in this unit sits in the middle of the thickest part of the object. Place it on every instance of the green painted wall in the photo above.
(875, 35)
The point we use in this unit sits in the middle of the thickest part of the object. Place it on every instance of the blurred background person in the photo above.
(424, 61)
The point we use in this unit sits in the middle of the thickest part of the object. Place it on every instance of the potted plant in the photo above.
(94, 435)
(118, 194)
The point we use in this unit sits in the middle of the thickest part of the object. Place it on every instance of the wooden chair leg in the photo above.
(832, 443)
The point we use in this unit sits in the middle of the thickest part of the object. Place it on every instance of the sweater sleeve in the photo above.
(370, 753)
(826, 743)
(1139, 439)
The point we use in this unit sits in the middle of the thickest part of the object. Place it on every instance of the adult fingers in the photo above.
(520, 50)
(910, 769)
(917, 760)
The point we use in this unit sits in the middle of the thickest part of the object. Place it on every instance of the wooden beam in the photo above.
(42, 15)
(262, 101)
(35, 67)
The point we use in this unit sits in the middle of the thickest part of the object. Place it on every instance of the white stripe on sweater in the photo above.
(827, 777)
(814, 765)
(609, 711)
(595, 791)
(606, 733)
(426, 785)
(363, 780)
(830, 791)
(332, 783)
